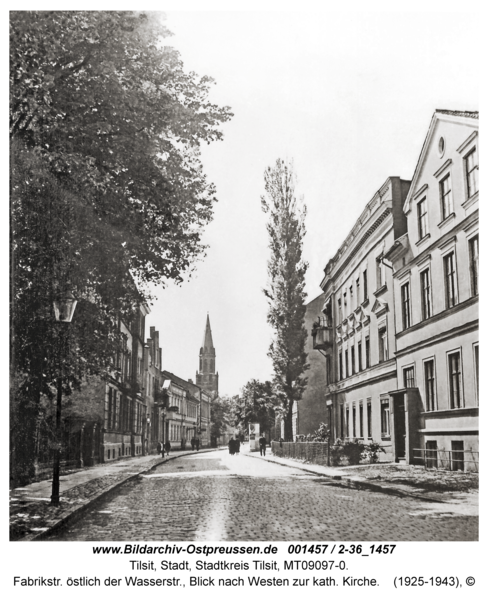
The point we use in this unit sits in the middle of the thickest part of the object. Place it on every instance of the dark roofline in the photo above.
(472, 114)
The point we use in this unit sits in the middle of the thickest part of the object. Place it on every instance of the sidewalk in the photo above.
(32, 515)
(465, 502)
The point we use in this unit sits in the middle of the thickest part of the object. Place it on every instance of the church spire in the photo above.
(206, 376)
(207, 337)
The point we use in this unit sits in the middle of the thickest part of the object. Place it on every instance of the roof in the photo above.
(460, 114)
(473, 114)
(187, 385)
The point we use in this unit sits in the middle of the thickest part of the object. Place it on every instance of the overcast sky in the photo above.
(349, 98)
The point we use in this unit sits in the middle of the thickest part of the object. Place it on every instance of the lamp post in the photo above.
(64, 308)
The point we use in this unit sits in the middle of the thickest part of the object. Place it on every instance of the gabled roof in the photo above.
(439, 114)
(187, 385)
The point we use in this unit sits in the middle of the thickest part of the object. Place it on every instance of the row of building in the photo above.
(394, 352)
(138, 405)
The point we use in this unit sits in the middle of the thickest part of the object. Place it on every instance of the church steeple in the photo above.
(206, 377)
(207, 344)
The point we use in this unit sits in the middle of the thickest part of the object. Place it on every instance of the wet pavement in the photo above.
(215, 496)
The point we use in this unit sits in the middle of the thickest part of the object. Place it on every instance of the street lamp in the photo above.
(64, 308)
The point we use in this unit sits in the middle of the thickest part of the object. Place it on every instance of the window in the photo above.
(365, 285)
(351, 297)
(385, 418)
(346, 361)
(405, 289)
(383, 345)
(429, 378)
(369, 419)
(110, 409)
(360, 358)
(425, 291)
(341, 371)
(342, 421)
(339, 306)
(446, 197)
(354, 421)
(345, 305)
(328, 370)
(368, 353)
(361, 417)
(353, 360)
(380, 273)
(358, 296)
(347, 421)
(471, 162)
(477, 370)
(422, 218)
(454, 362)
(457, 449)
(474, 264)
(450, 280)
(409, 377)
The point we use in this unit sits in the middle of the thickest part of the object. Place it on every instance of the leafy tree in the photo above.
(221, 416)
(107, 185)
(256, 404)
(286, 297)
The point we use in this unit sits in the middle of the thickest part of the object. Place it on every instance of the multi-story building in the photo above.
(356, 331)
(310, 410)
(155, 409)
(125, 412)
(182, 410)
(435, 266)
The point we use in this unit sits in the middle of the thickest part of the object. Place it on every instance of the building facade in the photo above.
(311, 410)
(356, 330)
(436, 287)
(399, 325)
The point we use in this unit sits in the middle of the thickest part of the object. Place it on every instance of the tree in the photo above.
(221, 416)
(107, 186)
(256, 404)
(285, 293)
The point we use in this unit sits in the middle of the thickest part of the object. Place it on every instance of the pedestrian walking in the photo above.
(192, 442)
(237, 445)
(197, 444)
(262, 445)
(167, 447)
(160, 449)
(231, 446)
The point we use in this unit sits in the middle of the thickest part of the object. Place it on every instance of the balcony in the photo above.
(323, 335)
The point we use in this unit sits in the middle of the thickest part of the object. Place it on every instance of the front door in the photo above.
(400, 429)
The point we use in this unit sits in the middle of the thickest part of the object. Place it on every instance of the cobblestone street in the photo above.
(215, 496)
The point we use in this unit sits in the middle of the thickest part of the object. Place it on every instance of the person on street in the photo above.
(197, 444)
(262, 445)
(160, 449)
(237, 445)
(231, 445)
(192, 441)
(167, 447)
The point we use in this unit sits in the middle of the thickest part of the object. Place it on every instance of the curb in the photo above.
(385, 489)
(79, 510)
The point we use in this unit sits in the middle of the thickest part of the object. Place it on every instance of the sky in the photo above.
(347, 97)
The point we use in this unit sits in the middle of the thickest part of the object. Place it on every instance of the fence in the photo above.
(313, 452)
(448, 460)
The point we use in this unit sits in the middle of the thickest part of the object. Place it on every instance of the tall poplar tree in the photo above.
(285, 293)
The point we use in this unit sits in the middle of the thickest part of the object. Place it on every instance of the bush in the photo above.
(371, 452)
(350, 452)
